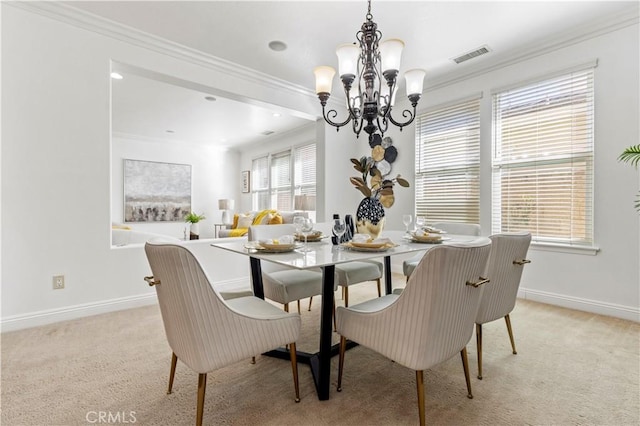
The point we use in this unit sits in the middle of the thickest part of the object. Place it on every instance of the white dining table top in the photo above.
(324, 253)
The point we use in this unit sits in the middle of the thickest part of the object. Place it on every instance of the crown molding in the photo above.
(604, 25)
(88, 21)
(97, 24)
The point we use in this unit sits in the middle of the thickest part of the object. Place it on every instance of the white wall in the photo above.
(214, 174)
(56, 170)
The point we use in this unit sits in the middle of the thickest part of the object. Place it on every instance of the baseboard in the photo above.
(601, 308)
(50, 316)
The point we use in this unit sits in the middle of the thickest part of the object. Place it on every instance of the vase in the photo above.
(194, 231)
(370, 217)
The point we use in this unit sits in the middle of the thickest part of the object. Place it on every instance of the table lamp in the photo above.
(304, 202)
(225, 205)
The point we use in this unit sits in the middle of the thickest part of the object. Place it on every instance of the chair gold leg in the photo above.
(420, 386)
(479, 348)
(253, 360)
(513, 343)
(172, 373)
(294, 368)
(286, 307)
(379, 288)
(202, 384)
(343, 348)
(342, 293)
(335, 325)
(298, 306)
(465, 366)
(346, 296)
(310, 302)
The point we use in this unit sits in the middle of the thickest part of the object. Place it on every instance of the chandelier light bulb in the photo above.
(390, 54)
(348, 56)
(415, 80)
(324, 78)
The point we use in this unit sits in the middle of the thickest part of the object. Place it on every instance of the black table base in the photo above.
(319, 362)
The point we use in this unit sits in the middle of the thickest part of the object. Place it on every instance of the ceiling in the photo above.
(240, 31)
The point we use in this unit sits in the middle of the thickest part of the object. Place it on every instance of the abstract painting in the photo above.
(156, 192)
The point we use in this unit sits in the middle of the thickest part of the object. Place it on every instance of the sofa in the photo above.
(242, 221)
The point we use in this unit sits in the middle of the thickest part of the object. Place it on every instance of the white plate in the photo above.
(353, 247)
(436, 239)
(368, 245)
(276, 247)
(311, 238)
(272, 248)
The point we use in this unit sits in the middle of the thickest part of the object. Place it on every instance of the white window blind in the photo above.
(447, 184)
(260, 183)
(281, 198)
(542, 165)
(305, 170)
(278, 177)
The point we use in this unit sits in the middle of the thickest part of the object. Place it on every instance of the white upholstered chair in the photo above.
(203, 330)
(355, 272)
(282, 284)
(504, 269)
(430, 321)
(451, 228)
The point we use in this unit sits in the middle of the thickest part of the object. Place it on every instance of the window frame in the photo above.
(292, 188)
(458, 121)
(539, 165)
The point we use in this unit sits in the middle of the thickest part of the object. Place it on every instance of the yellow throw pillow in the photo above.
(234, 225)
(274, 219)
(262, 218)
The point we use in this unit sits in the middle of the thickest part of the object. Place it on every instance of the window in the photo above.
(278, 177)
(448, 163)
(542, 167)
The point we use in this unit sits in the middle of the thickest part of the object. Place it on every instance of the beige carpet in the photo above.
(572, 368)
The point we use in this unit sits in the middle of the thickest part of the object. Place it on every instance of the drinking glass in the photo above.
(307, 227)
(339, 228)
(406, 219)
(297, 222)
(420, 222)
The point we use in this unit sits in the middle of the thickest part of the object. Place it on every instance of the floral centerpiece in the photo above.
(378, 192)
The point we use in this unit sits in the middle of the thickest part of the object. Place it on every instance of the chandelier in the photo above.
(369, 100)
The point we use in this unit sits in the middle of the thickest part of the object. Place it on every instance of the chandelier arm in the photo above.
(383, 124)
(357, 126)
(333, 113)
(405, 113)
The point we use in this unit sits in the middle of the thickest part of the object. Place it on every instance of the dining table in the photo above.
(325, 255)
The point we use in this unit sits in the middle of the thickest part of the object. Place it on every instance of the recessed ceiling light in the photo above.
(116, 76)
(277, 45)
(210, 98)
(170, 131)
(276, 114)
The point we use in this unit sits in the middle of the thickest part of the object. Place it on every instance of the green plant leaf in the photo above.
(631, 155)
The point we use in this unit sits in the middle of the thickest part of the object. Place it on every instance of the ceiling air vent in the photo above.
(267, 132)
(470, 55)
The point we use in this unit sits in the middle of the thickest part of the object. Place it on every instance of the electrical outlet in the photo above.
(58, 282)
